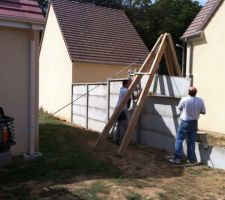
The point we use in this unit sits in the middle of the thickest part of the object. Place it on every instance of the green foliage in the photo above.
(43, 4)
(171, 16)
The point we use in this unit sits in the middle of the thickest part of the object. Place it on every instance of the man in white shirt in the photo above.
(191, 107)
(122, 119)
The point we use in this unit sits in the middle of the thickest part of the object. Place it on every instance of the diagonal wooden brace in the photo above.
(143, 96)
(133, 85)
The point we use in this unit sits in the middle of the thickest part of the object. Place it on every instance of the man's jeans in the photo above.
(121, 127)
(186, 129)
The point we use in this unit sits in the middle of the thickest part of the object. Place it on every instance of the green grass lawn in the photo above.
(70, 170)
(65, 156)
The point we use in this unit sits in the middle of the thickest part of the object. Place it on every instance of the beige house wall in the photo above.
(14, 83)
(55, 70)
(89, 72)
(209, 72)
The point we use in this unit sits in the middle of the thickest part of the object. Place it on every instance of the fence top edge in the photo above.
(99, 83)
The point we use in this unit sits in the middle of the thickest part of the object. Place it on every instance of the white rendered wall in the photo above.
(209, 71)
(55, 70)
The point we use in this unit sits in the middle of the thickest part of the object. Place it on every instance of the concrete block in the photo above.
(157, 140)
(98, 114)
(170, 86)
(157, 123)
(95, 125)
(79, 120)
(98, 102)
(98, 91)
(79, 89)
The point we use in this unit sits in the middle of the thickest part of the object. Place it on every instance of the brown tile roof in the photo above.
(98, 34)
(24, 10)
(202, 19)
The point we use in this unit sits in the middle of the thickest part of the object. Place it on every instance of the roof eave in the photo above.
(214, 9)
(196, 36)
(19, 24)
(17, 19)
(136, 64)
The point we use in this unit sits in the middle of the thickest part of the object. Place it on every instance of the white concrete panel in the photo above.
(159, 141)
(78, 100)
(79, 89)
(95, 125)
(97, 114)
(113, 100)
(170, 86)
(100, 90)
(159, 124)
(79, 110)
(80, 121)
(213, 156)
(115, 87)
(111, 111)
(98, 102)
(162, 105)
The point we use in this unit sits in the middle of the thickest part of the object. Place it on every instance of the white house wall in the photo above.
(55, 70)
(209, 72)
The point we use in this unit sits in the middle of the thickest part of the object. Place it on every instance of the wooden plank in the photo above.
(169, 62)
(174, 56)
(143, 96)
(133, 85)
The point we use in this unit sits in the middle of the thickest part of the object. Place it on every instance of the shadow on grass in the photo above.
(67, 155)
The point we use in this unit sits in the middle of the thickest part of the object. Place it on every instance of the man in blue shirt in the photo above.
(191, 107)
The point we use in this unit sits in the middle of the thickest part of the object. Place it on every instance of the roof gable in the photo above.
(202, 19)
(24, 10)
(98, 34)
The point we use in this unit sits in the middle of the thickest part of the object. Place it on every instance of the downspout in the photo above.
(32, 78)
(189, 64)
(189, 73)
(33, 97)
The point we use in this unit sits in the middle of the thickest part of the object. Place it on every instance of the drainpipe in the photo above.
(33, 98)
(194, 37)
(33, 80)
(189, 69)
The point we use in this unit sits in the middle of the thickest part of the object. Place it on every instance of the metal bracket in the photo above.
(135, 72)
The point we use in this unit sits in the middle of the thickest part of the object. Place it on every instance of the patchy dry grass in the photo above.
(70, 169)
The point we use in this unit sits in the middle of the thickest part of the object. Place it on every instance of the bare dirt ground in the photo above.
(158, 179)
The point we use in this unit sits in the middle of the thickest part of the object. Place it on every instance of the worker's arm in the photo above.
(181, 104)
(203, 110)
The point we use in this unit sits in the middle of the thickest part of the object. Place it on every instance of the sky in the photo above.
(202, 2)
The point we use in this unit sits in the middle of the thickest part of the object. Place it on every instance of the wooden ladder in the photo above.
(163, 46)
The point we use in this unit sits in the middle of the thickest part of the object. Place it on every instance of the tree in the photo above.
(171, 16)
(44, 5)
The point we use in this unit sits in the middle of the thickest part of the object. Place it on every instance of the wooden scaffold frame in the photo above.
(163, 46)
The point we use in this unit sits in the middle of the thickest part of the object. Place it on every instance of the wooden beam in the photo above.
(133, 85)
(169, 62)
(174, 56)
(143, 96)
